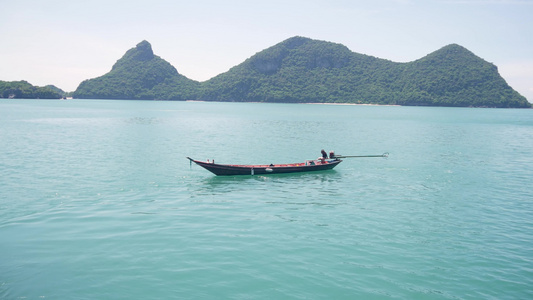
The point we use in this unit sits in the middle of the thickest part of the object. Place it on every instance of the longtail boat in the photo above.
(307, 166)
(320, 164)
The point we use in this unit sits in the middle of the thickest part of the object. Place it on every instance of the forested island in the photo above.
(303, 70)
(25, 90)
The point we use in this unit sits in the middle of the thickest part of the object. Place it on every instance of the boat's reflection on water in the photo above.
(268, 186)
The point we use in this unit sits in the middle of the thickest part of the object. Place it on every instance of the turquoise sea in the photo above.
(97, 201)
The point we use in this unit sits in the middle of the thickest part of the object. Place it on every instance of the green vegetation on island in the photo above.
(139, 75)
(302, 70)
(25, 90)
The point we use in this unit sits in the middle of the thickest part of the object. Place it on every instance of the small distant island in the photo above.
(25, 90)
(303, 70)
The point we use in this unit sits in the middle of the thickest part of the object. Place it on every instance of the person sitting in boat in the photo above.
(331, 155)
(323, 157)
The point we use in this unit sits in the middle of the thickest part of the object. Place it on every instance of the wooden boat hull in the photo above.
(231, 170)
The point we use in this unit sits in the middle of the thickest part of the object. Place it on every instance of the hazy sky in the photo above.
(63, 42)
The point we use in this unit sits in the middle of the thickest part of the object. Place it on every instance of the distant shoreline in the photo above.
(306, 103)
(301, 103)
(362, 104)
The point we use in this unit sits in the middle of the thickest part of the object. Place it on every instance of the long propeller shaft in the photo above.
(386, 154)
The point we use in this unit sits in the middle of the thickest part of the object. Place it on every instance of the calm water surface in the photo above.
(97, 201)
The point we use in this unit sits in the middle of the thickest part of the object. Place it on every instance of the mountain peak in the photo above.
(139, 74)
(295, 41)
(144, 46)
(453, 50)
(301, 52)
(143, 52)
